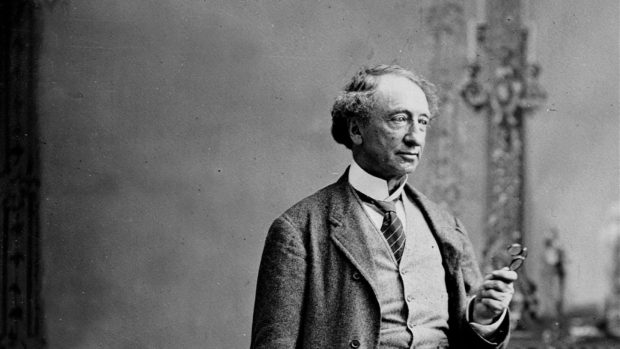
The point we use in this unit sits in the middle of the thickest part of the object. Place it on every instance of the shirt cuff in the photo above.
(485, 331)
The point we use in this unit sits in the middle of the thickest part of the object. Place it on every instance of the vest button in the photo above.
(356, 276)
(409, 298)
(354, 343)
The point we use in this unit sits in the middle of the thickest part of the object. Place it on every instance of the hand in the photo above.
(493, 296)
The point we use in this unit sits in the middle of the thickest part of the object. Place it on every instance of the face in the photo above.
(390, 144)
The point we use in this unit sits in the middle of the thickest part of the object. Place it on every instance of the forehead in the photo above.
(394, 91)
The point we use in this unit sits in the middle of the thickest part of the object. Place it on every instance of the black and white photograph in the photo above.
(310, 174)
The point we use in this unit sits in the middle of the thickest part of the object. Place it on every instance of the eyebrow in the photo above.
(409, 114)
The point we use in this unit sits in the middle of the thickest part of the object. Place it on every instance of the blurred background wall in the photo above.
(174, 132)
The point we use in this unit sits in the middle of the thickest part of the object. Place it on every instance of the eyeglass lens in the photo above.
(518, 254)
(515, 249)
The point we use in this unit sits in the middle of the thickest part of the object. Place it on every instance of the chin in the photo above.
(398, 173)
(407, 168)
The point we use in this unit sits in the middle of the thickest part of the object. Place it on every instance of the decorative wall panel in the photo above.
(503, 87)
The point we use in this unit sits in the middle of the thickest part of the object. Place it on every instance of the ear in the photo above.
(355, 131)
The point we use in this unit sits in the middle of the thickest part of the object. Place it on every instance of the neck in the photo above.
(392, 183)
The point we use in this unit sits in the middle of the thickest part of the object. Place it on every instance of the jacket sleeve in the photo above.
(280, 288)
(473, 279)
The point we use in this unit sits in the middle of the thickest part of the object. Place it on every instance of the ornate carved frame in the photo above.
(20, 273)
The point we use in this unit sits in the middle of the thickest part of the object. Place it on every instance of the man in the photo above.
(369, 262)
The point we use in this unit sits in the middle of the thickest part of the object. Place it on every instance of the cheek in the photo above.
(386, 140)
(394, 139)
(389, 142)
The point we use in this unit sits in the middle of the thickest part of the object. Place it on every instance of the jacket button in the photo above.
(356, 276)
(354, 343)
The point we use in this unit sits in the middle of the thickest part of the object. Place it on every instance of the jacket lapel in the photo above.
(450, 246)
(348, 230)
(449, 242)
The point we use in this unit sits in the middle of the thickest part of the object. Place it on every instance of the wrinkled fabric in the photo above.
(316, 285)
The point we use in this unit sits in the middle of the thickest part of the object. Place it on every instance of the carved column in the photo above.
(503, 87)
(20, 307)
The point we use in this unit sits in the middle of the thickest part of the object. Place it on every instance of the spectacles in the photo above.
(518, 254)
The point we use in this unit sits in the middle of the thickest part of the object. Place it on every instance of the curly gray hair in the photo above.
(357, 100)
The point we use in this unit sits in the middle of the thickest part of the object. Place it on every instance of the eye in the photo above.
(423, 120)
(399, 118)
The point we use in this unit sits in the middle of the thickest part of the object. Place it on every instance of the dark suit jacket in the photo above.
(316, 278)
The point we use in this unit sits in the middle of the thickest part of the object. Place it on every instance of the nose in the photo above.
(415, 136)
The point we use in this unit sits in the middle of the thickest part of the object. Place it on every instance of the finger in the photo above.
(492, 294)
(498, 285)
(503, 298)
(493, 305)
(505, 275)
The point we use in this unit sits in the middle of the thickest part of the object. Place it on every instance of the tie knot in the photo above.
(386, 206)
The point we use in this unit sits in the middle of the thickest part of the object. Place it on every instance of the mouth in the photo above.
(411, 156)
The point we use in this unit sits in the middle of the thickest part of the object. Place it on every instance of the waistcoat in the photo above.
(412, 296)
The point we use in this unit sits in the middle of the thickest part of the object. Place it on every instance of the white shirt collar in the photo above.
(372, 186)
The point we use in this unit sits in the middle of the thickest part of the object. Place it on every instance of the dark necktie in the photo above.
(392, 227)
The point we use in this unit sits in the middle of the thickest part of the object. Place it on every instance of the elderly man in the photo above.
(370, 262)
